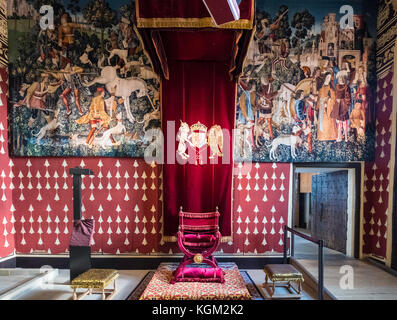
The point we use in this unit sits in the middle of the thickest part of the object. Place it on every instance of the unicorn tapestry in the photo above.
(309, 82)
(80, 81)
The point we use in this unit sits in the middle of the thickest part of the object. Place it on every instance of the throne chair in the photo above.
(198, 238)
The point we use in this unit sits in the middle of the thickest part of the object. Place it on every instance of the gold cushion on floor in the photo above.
(282, 272)
(95, 278)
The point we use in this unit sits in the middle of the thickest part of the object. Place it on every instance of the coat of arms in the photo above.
(196, 137)
(199, 135)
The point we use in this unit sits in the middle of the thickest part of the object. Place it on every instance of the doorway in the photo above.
(326, 204)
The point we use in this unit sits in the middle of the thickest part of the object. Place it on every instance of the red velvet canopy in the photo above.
(199, 67)
(207, 42)
(214, 45)
(187, 14)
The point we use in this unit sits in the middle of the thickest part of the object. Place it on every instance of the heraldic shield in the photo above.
(196, 137)
(199, 134)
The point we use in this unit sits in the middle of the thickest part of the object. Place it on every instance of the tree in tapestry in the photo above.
(82, 88)
(308, 84)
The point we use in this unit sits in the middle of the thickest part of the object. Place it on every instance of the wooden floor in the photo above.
(369, 281)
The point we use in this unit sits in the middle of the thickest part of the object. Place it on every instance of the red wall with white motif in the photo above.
(7, 230)
(125, 199)
(377, 174)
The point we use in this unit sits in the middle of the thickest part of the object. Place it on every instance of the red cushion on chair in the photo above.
(199, 240)
(199, 237)
(196, 274)
(198, 244)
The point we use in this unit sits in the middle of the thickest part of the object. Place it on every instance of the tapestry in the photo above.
(307, 92)
(81, 83)
(3, 36)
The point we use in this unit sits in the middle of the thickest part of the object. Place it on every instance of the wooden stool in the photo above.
(95, 281)
(281, 275)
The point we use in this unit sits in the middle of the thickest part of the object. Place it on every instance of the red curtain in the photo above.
(203, 45)
(198, 91)
(196, 61)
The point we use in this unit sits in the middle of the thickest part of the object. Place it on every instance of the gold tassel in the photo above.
(169, 239)
(226, 239)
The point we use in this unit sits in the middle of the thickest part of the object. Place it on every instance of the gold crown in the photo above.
(198, 127)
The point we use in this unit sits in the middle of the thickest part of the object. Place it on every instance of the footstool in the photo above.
(95, 281)
(281, 275)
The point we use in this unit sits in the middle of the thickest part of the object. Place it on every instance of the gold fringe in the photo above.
(166, 75)
(143, 46)
(246, 53)
(226, 239)
(240, 34)
(169, 239)
(230, 239)
(174, 239)
(192, 23)
(206, 22)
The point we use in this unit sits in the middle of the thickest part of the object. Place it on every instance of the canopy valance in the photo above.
(187, 25)
(188, 14)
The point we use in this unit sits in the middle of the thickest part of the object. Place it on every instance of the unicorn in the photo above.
(183, 137)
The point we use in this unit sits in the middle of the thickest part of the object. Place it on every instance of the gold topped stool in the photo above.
(95, 281)
(281, 275)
